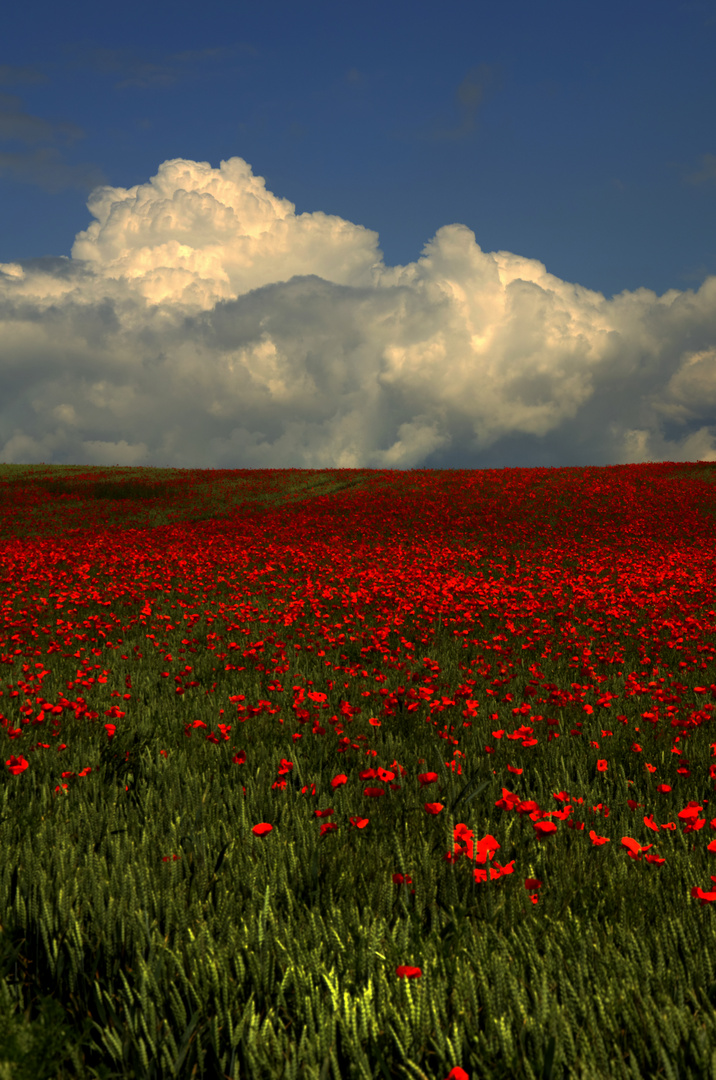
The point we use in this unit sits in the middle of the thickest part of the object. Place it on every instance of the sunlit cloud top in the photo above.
(202, 322)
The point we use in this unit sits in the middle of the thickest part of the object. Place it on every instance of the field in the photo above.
(358, 774)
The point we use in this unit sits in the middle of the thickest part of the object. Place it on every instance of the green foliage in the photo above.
(120, 489)
(149, 498)
(147, 931)
(245, 948)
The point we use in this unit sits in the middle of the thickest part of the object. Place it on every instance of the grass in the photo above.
(357, 774)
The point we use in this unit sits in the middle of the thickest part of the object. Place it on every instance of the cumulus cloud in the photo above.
(200, 322)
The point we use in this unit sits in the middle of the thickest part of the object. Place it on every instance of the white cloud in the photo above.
(201, 322)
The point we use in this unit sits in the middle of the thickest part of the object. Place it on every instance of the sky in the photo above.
(385, 235)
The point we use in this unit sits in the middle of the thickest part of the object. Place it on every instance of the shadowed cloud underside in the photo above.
(201, 322)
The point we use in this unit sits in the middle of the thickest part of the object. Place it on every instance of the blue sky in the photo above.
(580, 137)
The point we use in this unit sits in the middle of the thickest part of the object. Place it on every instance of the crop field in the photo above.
(358, 774)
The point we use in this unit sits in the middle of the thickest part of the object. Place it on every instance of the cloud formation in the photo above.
(42, 166)
(141, 69)
(474, 90)
(201, 322)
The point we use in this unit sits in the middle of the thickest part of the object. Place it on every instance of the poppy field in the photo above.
(354, 774)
